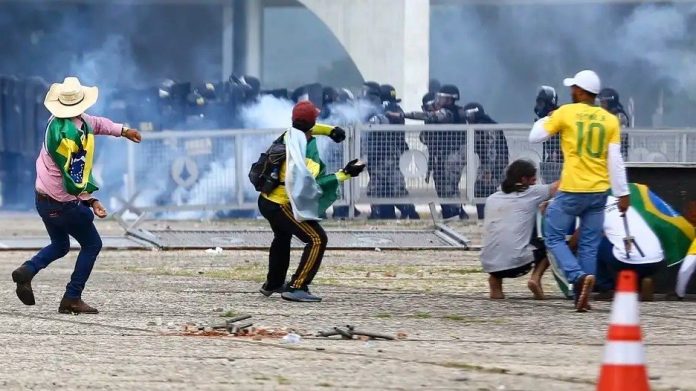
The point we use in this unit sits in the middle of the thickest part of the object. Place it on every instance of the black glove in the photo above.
(337, 134)
(353, 168)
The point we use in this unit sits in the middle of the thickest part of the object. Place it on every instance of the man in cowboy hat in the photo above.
(64, 187)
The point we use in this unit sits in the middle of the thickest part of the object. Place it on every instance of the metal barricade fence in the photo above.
(196, 174)
(448, 164)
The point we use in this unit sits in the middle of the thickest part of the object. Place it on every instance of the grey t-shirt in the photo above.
(507, 229)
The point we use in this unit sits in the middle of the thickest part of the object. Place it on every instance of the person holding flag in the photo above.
(649, 236)
(65, 187)
(295, 207)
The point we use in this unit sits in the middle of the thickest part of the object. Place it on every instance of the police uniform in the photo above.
(384, 151)
(446, 151)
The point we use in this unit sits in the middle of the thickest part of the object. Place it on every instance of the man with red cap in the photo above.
(294, 206)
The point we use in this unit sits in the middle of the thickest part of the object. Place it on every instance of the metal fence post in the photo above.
(239, 168)
(470, 164)
(353, 149)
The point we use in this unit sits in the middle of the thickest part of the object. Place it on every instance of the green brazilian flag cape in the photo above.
(73, 152)
(329, 184)
(673, 230)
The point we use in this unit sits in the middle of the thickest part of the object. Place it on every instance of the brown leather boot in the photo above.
(22, 277)
(75, 306)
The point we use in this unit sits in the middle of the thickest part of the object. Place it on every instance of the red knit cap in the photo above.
(305, 111)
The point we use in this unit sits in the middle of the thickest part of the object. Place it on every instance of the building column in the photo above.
(227, 39)
(389, 41)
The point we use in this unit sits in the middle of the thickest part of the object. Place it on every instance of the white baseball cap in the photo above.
(587, 80)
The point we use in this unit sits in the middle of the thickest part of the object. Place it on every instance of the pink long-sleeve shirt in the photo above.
(49, 180)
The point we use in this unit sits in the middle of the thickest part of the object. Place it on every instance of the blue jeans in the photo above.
(561, 215)
(63, 220)
(608, 267)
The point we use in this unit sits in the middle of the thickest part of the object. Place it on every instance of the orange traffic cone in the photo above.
(623, 368)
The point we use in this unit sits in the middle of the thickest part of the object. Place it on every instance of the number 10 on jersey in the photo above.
(592, 139)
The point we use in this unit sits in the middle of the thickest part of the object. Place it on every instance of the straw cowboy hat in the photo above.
(70, 99)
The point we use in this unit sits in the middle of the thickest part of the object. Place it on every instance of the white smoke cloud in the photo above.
(499, 54)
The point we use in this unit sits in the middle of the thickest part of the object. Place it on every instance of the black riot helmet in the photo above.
(388, 93)
(609, 99)
(473, 112)
(447, 95)
(546, 101)
(428, 102)
(329, 95)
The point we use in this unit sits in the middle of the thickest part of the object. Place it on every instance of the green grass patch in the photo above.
(422, 315)
(383, 315)
(229, 314)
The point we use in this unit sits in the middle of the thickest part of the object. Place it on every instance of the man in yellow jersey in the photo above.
(277, 207)
(591, 146)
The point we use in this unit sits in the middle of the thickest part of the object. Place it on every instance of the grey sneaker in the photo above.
(300, 295)
(268, 292)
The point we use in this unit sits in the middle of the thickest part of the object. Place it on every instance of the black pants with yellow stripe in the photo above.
(284, 227)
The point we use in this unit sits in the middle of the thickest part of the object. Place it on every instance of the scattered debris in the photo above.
(292, 338)
(348, 332)
(216, 250)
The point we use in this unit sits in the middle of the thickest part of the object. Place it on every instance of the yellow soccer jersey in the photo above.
(586, 132)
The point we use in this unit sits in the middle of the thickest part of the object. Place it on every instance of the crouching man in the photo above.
(293, 208)
(510, 246)
(641, 252)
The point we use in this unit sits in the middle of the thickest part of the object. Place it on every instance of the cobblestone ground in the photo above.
(455, 337)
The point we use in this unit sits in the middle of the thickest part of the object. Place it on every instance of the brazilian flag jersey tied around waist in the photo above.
(72, 150)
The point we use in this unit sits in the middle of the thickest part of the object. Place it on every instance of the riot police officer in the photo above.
(329, 97)
(446, 150)
(609, 100)
(552, 156)
(546, 103)
(384, 149)
(492, 150)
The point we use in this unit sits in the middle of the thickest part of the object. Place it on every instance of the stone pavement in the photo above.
(456, 339)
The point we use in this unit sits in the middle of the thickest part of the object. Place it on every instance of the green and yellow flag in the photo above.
(72, 150)
(673, 230)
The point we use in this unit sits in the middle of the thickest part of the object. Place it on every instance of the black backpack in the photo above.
(264, 175)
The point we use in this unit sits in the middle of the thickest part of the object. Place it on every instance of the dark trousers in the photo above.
(608, 267)
(284, 226)
(63, 220)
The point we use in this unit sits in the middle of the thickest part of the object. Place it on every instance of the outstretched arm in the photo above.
(105, 126)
